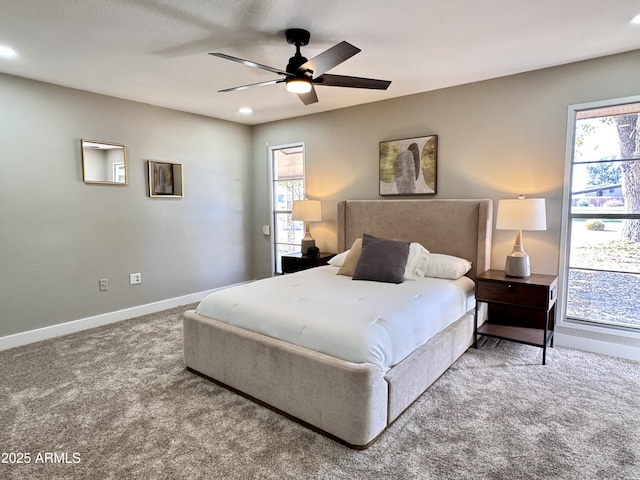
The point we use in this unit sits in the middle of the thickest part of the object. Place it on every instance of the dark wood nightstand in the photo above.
(294, 262)
(519, 309)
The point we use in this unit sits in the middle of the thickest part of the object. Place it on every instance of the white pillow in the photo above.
(339, 259)
(439, 265)
(416, 262)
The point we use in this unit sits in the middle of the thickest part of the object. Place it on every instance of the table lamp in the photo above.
(307, 211)
(520, 214)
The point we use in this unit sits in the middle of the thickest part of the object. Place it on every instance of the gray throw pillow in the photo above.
(381, 260)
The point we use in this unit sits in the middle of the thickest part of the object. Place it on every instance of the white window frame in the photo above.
(562, 320)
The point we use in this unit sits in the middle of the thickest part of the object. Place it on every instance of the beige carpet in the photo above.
(116, 403)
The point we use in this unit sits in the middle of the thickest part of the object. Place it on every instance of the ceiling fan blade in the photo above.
(260, 84)
(309, 97)
(249, 63)
(329, 59)
(352, 82)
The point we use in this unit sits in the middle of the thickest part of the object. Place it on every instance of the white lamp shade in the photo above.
(522, 214)
(307, 210)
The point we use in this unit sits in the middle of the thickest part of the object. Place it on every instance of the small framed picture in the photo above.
(408, 167)
(165, 179)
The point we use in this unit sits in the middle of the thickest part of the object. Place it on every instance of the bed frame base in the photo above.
(310, 387)
(347, 400)
(285, 414)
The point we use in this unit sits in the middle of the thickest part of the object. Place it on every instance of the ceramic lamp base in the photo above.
(306, 245)
(517, 266)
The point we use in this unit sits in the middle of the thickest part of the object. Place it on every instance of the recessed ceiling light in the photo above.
(245, 111)
(7, 52)
(636, 19)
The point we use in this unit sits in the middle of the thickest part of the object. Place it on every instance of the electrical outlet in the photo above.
(104, 284)
(135, 278)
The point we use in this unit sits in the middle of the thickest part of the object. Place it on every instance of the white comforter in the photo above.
(358, 321)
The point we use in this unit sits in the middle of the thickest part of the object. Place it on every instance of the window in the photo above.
(288, 185)
(119, 173)
(602, 237)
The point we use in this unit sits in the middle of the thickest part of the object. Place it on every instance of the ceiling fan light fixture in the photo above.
(298, 85)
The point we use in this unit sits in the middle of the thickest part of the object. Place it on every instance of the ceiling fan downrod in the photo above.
(300, 38)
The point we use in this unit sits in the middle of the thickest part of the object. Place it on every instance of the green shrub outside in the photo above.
(594, 225)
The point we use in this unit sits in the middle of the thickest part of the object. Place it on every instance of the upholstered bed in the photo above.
(348, 401)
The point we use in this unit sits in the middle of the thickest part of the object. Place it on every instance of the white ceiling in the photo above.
(155, 51)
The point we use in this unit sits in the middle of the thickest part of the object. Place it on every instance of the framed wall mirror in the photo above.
(104, 163)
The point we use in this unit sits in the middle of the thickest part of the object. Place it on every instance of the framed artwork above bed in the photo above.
(408, 166)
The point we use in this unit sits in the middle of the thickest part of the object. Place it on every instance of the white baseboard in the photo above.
(45, 333)
(628, 352)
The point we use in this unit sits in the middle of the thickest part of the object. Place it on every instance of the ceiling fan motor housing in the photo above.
(294, 64)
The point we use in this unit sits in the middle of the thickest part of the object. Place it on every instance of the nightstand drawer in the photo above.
(518, 294)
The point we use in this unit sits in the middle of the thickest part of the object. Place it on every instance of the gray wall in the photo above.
(59, 236)
(497, 139)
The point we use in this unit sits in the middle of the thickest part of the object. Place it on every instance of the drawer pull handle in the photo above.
(511, 288)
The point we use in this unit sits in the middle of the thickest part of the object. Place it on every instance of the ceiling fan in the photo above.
(301, 74)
